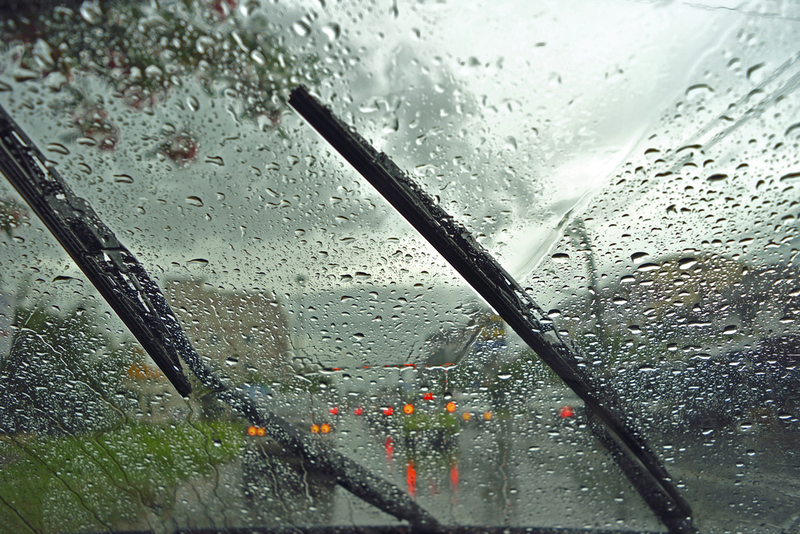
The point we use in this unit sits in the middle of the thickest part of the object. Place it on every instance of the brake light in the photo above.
(565, 412)
(487, 416)
(408, 409)
(428, 396)
(387, 410)
(325, 428)
(466, 416)
(315, 428)
(334, 410)
(251, 431)
(450, 406)
(358, 411)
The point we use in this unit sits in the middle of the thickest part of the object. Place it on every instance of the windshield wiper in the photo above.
(457, 245)
(135, 297)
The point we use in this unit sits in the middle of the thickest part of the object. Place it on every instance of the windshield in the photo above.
(629, 167)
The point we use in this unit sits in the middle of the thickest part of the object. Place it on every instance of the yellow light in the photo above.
(487, 416)
(466, 416)
(325, 428)
(315, 429)
(261, 431)
(251, 431)
(408, 409)
(450, 406)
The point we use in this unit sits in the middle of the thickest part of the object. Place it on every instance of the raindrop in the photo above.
(204, 42)
(753, 73)
(790, 177)
(698, 91)
(216, 160)
(4, 87)
(194, 201)
(717, 177)
(635, 329)
(504, 376)
(560, 257)
(554, 314)
(199, 261)
(58, 149)
(510, 144)
(301, 28)
(90, 11)
(730, 330)
(258, 57)
(687, 263)
(123, 179)
(332, 31)
(193, 103)
(152, 71)
(638, 257)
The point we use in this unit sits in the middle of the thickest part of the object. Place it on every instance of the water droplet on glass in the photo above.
(123, 179)
(193, 103)
(730, 330)
(301, 28)
(258, 57)
(90, 11)
(717, 177)
(194, 201)
(687, 263)
(754, 73)
(58, 149)
(153, 71)
(638, 257)
(216, 160)
(510, 144)
(332, 31)
(560, 257)
(700, 90)
(204, 42)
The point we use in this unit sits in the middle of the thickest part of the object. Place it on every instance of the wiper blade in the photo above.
(126, 286)
(113, 270)
(506, 296)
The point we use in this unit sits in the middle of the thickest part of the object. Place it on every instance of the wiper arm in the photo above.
(512, 303)
(126, 286)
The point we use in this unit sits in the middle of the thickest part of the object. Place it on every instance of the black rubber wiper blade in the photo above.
(113, 270)
(506, 296)
(126, 286)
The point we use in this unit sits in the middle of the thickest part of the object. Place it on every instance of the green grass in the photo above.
(109, 480)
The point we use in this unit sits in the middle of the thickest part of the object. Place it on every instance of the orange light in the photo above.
(450, 406)
(358, 411)
(334, 410)
(565, 412)
(411, 479)
(454, 477)
(466, 416)
(315, 429)
(251, 431)
(325, 428)
(388, 410)
(427, 396)
(408, 409)
(261, 431)
(487, 416)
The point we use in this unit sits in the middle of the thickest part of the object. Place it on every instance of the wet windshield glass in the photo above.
(631, 165)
